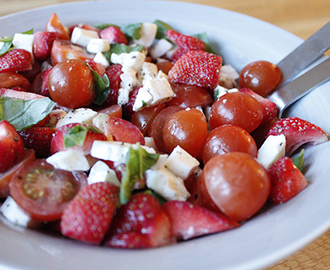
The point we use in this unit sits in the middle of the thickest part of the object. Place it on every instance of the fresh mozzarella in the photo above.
(101, 59)
(81, 115)
(69, 160)
(148, 34)
(133, 60)
(220, 91)
(96, 45)
(23, 41)
(148, 71)
(101, 172)
(82, 36)
(228, 76)
(160, 48)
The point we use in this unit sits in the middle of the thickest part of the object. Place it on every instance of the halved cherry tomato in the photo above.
(71, 84)
(54, 25)
(165, 66)
(13, 79)
(113, 110)
(235, 184)
(43, 191)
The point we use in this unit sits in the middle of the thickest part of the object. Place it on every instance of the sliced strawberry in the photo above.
(189, 221)
(39, 139)
(11, 145)
(42, 44)
(16, 60)
(286, 181)
(186, 42)
(88, 216)
(114, 35)
(270, 109)
(113, 73)
(141, 215)
(5, 92)
(40, 83)
(298, 132)
(197, 68)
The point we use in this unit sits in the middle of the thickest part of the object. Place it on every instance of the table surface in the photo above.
(301, 18)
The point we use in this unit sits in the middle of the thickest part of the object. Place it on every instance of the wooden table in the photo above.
(301, 18)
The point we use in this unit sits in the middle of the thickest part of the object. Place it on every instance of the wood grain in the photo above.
(301, 18)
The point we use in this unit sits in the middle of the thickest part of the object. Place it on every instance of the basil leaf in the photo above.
(102, 87)
(161, 29)
(132, 30)
(121, 48)
(137, 162)
(105, 25)
(203, 37)
(299, 160)
(77, 135)
(23, 114)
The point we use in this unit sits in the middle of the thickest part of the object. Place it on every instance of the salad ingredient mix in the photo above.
(139, 136)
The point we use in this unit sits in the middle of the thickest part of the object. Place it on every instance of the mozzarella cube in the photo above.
(181, 163)
(148, 71)
(69, 160)
(220, 91)
(101, 172)
(96, 45)
(160, 164)
(101, 59)
(228, 76)
(271, 150)
(23, 41)
(81, 115)
(160, 48)
(82, 36)
(150, 142)
(100, 121)
(148, 34)
(166, 184)
(133, 60)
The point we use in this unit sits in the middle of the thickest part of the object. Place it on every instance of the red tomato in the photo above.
(228, 138)
(113, 110)
(54, 25)
(43, 191)
(165, 66)
(31, 74)
(13, 79)
(236, 184)
(238, 109)
(71, 84)
(190, 96)
(63, 50)
(186, 128)
(260, 76)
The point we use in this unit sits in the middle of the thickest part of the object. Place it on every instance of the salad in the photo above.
(139, 136)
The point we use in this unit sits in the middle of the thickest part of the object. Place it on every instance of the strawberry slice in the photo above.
(16, 60)
(141, 217)
(113, 73)
(298, 132)
(197, 68)
(39, 139)
(270, 109)
(88, 216)
(42, 44)
(114, 35)
(189, 221)
(286, 181)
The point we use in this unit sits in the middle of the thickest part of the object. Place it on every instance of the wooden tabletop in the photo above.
(301, 18)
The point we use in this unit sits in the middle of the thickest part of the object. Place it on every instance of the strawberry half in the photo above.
(114, 35)
(42, 44)
(189, 221)
(197, 68)
(113, 72)
(16, 60)
(141, 217)
(286, 181)
(298, 132)
(88, 216)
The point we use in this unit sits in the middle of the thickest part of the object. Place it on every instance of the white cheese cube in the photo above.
(148, 71)
(96, 45)
(100, 121)
(181, 163)
(82, 36)
(148, 34)
(271, 150)
(81, 115)
(133, 60)
(101, 172)
(69, 160)
(23, 41)
(101, 59)
(160, 164)
(150, 142)
(220, 91)
(160, 48)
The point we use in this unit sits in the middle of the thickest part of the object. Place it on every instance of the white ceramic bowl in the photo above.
(264, 240)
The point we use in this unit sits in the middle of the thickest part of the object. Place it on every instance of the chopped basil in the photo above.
(105, 25)
(122, 48)
(161, 29)
(132, 30)
(299, 160)
(102, 87)
(77, 135)
(203, 37)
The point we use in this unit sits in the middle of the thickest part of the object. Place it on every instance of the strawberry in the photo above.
(270, 109)
(11, 145)
(40, 83)
(79, 136)
(286, 181)
(16, 60)
(142, 215)
(189, 221)
(42, 44)
(114, 35)
(298, 132)
(197, 68)
(88, 216)
(113, 72)
(97, 67)
(39, 139)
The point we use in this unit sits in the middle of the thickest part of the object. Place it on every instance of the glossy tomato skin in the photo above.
(235, 184)
(186, 128)
(14, 80)
(238, 109)
(54, 25)
(71, 84)
(228, 138)
(260, 76)
(43, 191)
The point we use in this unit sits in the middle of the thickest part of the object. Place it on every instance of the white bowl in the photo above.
(262, 241)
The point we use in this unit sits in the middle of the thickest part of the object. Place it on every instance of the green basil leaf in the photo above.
(122, 48)
(77, 135)
(105, 25)
(137, 162)
(132, 30)
(203, 37)
(161, 29)
(299, 160)
(23, 114)
(28, 32)
(102, 87)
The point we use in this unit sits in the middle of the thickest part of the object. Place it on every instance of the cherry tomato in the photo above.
(43, 191)
(228, 138)
(63, 50)
(190, 96)
(236, 184)
(13, 79)
(186, 128)
(112, 110)
(71, 84)
(54, 25)
(165, 66)
(260, 76)
(238, 109)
